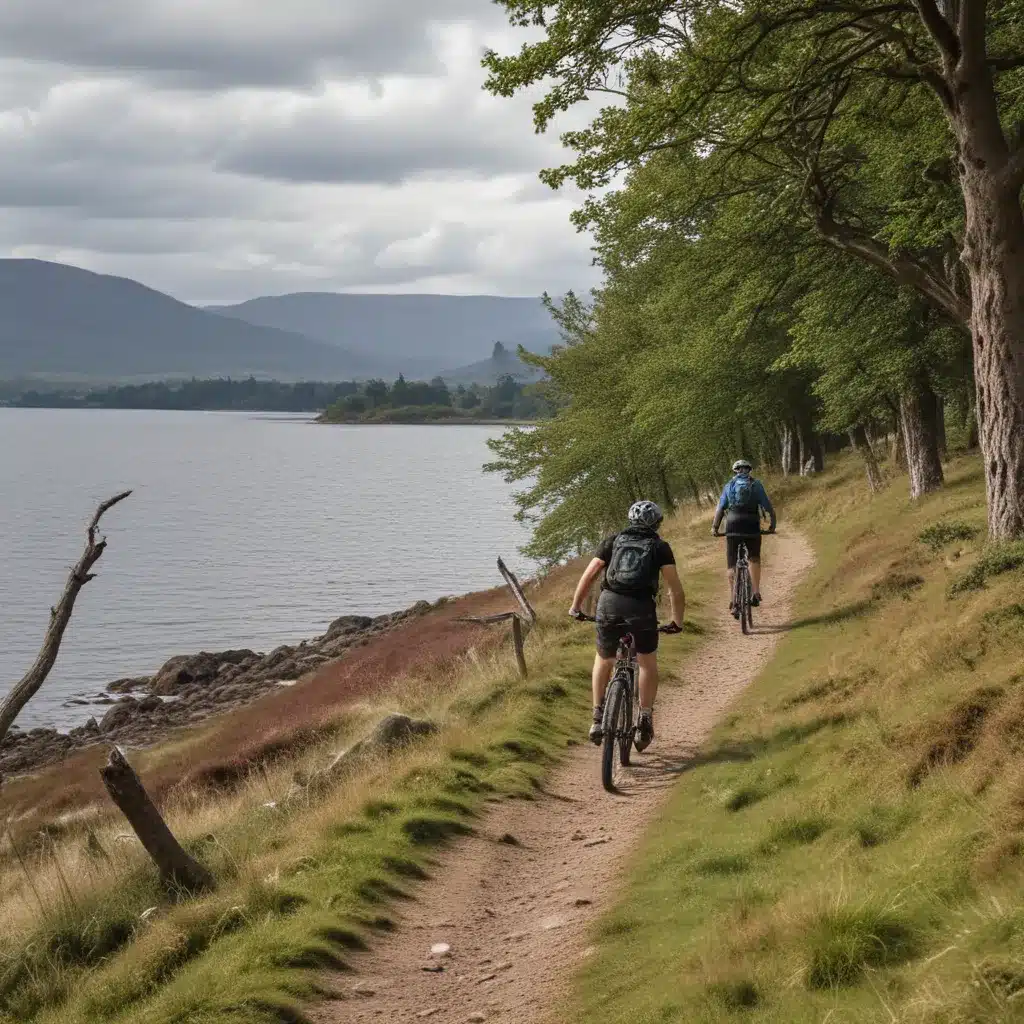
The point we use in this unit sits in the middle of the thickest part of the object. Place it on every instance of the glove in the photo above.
(576, 614)
(672, 627)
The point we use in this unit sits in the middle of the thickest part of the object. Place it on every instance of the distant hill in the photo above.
(502, 363)
(63, 322)
(418, 335)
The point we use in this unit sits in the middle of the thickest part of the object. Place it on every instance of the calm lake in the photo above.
(243, 530)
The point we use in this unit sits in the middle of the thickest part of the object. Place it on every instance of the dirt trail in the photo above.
(516, 916)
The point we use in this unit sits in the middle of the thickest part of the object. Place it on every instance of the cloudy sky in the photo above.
(221, 149)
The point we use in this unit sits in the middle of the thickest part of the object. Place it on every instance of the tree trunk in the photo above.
(698, 500)
(994, 254)
(787, 449)
(991, 175)
(176, 867)
(666, 493)
(919, 423)
(812, 456)
(859, 440)
(940, 425)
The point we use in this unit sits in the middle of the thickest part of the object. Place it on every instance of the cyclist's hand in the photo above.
(771, 529)
(575, 613)
(715, 533)
(672, 627)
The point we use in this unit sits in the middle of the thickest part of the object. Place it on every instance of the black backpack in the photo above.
(632, 567)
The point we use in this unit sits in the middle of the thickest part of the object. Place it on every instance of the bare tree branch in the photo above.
(60, 616)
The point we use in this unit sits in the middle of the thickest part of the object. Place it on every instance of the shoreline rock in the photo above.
(189, 689)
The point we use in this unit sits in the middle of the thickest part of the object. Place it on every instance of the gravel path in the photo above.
(516, 917)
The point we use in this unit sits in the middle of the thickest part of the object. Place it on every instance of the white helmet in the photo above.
(645, 513)
(742, 466)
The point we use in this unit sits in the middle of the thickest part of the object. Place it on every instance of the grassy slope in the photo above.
(849, 845)
(299, 886)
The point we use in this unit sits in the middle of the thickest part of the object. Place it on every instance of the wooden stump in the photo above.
(517, 642)
(177, 869)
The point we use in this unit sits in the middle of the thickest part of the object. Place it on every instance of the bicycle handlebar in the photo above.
(763, 533)
(666, 629)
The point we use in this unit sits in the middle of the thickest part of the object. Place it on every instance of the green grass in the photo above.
(849, 847)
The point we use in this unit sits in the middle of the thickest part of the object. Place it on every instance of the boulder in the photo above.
(119, 715)
(347, 624)
(128, 685)
(388, 735)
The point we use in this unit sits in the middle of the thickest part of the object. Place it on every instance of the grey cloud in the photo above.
(325, 145)
(238, 42)
(233, 148)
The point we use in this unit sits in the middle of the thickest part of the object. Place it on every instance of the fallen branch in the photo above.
(517, 592)
(487, 620)
(177, 869)
(60, 616)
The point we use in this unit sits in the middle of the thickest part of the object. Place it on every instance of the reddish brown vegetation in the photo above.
(227, 747)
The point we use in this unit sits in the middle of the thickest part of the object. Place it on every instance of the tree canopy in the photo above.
(797, 205)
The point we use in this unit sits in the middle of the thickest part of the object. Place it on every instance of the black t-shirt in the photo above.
(662, 556)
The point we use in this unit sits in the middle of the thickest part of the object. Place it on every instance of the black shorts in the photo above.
(732, 548)
(618, 615)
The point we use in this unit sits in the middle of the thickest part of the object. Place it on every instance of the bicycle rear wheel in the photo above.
(615, 724)
(743, 598)
(749, 604)
(628, 730)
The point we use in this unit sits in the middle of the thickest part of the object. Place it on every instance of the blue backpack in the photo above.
(741, 495)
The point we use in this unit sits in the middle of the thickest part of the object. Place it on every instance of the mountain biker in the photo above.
(633, 561)
(741, 504)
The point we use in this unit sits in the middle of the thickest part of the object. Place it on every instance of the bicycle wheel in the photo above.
(749, 604)
(628, 730)
(615, 723)
(743, 598)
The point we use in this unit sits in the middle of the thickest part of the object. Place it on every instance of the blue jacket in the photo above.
(760, 495)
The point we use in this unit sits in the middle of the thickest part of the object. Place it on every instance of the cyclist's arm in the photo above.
(723, 505)
(765, 503)
(590, 574)
(676, 595)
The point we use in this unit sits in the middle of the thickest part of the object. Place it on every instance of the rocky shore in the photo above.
(190, 688)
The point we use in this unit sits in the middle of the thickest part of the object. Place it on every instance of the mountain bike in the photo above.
(743, 591)
(621, 720)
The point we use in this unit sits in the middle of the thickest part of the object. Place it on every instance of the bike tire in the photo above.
(744, 600)
(613, 704)
(628, 732)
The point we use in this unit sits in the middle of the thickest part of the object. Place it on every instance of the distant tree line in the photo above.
(219, 393)
(417, 401)
(344, 401)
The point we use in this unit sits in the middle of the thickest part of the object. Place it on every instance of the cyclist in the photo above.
(633, 561)
(741, 504)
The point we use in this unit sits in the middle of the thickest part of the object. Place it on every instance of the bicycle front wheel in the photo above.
(615, 724)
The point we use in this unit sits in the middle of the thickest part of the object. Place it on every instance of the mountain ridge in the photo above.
(414, 334)
(63, 320)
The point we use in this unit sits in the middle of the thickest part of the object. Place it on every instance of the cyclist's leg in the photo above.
(600, 677)
(647, 668)
(648, 664)
(604, 663)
